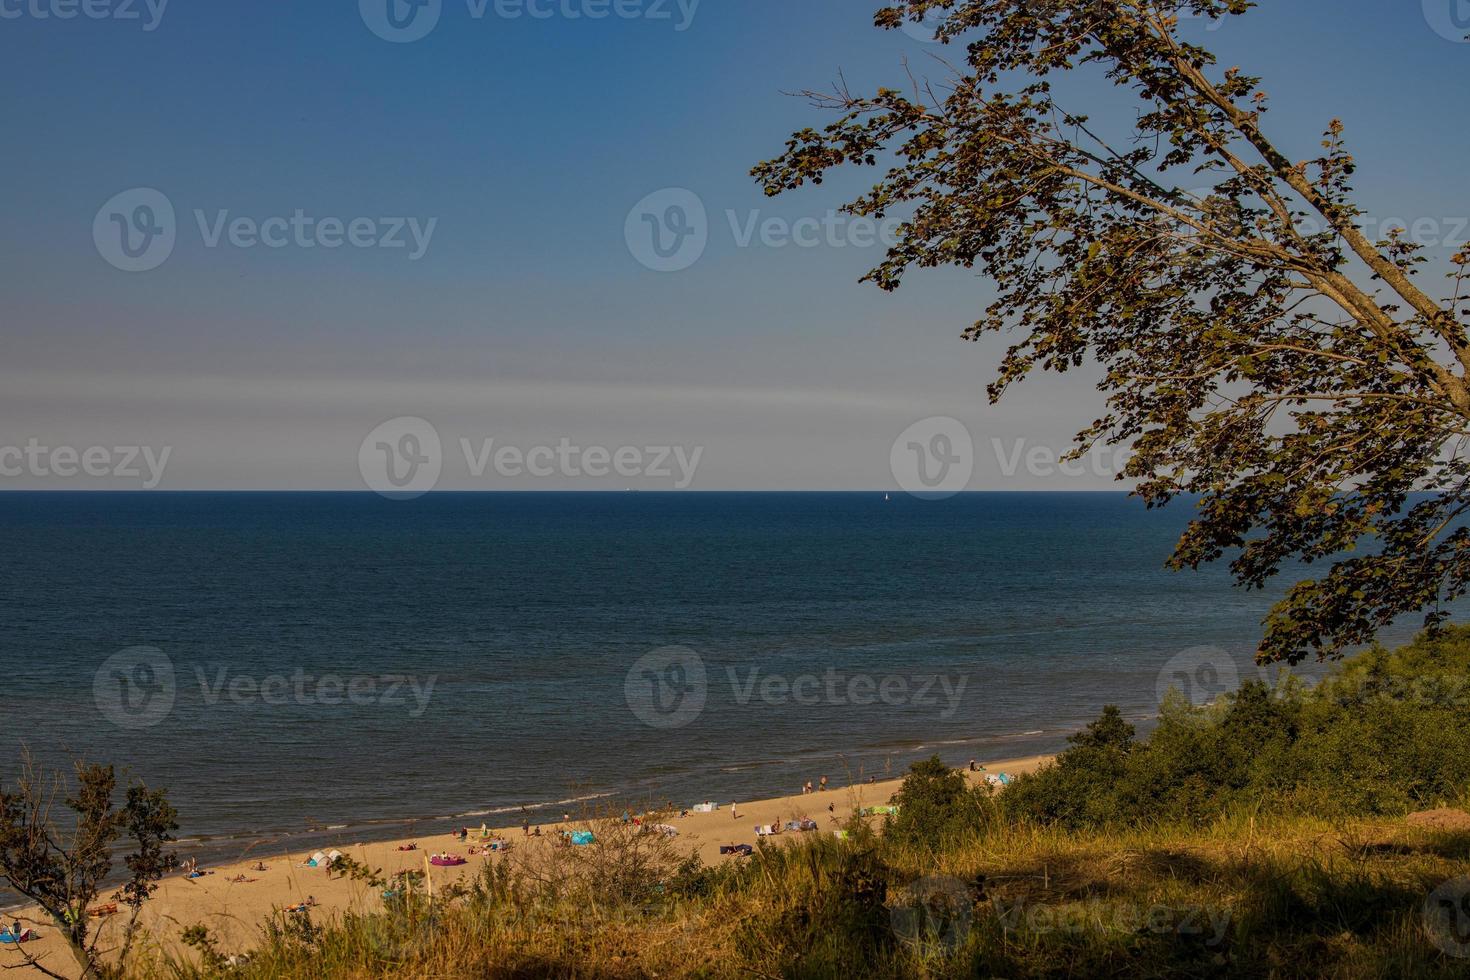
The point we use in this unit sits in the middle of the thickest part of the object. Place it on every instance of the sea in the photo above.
(298, 668)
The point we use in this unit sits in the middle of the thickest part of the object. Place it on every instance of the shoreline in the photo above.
(233, 898)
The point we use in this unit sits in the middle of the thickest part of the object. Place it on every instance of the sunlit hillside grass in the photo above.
(1264, 836)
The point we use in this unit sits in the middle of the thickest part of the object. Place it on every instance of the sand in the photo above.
(235, 910)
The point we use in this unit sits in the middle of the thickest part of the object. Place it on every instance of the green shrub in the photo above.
(1382, 734)
(936, 806)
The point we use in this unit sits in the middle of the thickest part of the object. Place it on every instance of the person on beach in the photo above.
(735, 814)
(526, 828)
(822, 784)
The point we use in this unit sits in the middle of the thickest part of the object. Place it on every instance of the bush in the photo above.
(1384, 733)
(936, 806)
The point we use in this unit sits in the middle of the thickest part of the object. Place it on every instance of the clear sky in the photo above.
(507, 152)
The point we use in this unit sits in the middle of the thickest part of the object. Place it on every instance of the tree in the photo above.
(935, 805)
(1257, 348)
(63, 872)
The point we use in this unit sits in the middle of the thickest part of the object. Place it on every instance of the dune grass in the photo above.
(1262, 836)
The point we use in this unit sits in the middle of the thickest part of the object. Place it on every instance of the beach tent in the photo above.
(704, 807)
(319, 859)
(11, 939)
(582, 837)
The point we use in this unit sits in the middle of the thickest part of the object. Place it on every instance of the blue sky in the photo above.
(527, 319)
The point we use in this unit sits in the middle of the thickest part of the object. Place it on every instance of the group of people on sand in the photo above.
(821, 786)
(192, 869)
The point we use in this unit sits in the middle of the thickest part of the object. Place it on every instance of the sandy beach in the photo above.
(233, 900)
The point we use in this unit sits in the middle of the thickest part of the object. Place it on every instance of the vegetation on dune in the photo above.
(1261, 836)
(1386, 733)
(58, 843)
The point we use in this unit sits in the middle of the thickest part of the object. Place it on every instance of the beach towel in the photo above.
(1000, 779)
(447, 862)
(745, 849)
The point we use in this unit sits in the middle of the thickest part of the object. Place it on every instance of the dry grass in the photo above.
(1286, 897)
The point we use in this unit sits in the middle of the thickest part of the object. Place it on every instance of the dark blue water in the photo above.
(1020, 615)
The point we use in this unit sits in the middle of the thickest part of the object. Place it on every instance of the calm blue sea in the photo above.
(344, 661)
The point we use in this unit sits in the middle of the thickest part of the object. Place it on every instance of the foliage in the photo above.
(936, 805)
(1382, 734)
(62, 870)
(1257, 348)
